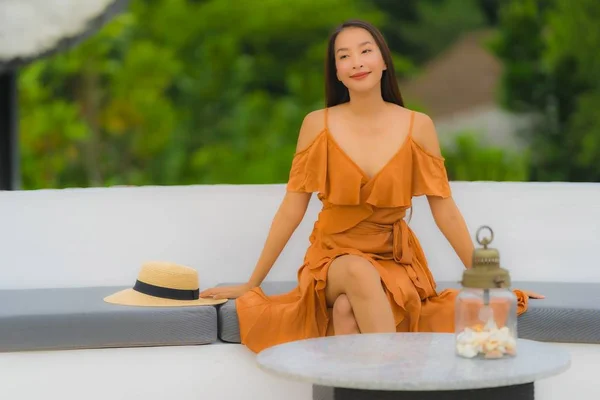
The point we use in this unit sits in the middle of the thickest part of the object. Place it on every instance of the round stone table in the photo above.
(410, 366)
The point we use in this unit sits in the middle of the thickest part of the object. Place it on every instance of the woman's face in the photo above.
(358, 60)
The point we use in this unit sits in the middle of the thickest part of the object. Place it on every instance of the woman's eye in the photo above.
(366, 50)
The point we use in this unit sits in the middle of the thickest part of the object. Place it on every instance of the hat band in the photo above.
(166, 293)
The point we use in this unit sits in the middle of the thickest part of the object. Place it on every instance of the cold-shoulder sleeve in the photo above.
(429, 176)
(309, 168)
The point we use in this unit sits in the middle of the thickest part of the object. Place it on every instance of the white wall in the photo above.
(219, 372)
(215, 372)
(86, 237)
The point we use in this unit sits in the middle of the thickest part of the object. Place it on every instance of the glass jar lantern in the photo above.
(486, 308)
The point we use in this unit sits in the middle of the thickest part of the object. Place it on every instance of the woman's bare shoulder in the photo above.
(312, 125)
(425, 134)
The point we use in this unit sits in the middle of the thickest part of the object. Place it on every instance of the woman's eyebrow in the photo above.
(362, 44)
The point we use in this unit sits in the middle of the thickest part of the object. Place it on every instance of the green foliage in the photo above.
(179, 92)
(97, 114)
(575, 40)
(468, 160)
(214, 91)
(520, 45)
(424, 28)
(441, 23)
(550, 53)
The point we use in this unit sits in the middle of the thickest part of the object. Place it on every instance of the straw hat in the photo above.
(163, 284)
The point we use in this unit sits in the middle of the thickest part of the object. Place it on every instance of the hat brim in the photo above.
(130, 297)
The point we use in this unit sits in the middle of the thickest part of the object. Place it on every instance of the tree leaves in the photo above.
(214, 91)
(551, 70)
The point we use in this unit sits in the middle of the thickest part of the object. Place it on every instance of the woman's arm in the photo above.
(292, 209)
(444, 210)
(446, 214)
(451, 223)
(287, 218)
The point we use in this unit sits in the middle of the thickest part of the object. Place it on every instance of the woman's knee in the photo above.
(343, 317)
(342, 308)
(358, 275)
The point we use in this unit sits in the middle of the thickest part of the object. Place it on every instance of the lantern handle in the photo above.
(485, 241)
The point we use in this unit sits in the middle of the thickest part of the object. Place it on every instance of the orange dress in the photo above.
(365, 217)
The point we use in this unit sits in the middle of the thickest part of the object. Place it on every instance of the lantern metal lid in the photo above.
(486, 273)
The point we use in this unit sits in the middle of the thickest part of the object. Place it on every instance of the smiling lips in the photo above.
(359, 75)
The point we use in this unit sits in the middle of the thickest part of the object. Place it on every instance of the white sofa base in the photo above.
(99, 237)
(219, 372)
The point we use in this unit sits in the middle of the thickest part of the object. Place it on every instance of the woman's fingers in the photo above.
(222, 295)
(533, 295)
(225, 292)
(210, 292)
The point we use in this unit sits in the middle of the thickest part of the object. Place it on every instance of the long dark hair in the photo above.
(335, 91)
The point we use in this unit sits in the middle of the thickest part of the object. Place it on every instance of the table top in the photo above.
(407, 361)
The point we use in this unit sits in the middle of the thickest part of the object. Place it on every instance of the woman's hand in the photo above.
(533, 295)
(226, 292)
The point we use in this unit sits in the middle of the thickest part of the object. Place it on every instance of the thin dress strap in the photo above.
(325, 117)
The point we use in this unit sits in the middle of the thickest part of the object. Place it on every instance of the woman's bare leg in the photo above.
(358, 279)
(344, 322)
